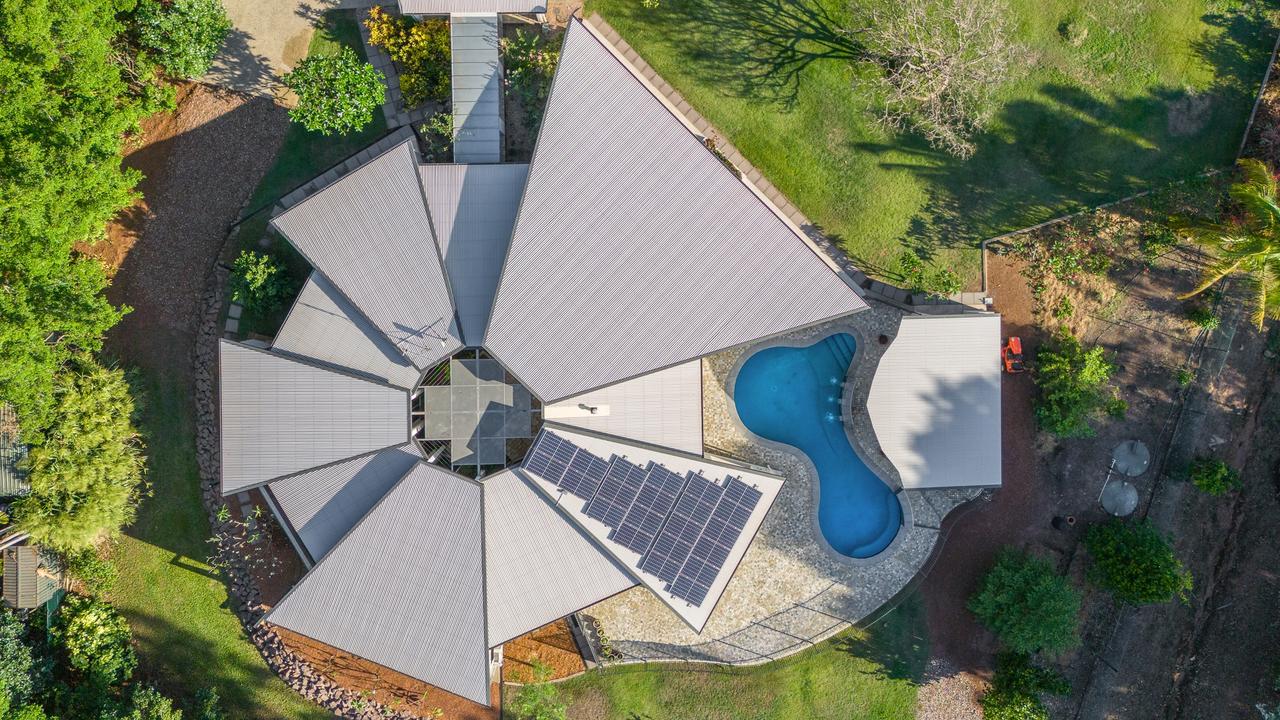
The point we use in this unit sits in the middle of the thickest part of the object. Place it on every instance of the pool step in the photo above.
(842, 348)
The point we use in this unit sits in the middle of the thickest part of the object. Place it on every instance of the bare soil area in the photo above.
(551, 645)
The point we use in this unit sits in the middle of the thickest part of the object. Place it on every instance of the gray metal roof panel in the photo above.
(323, 504)
(540, 566)
(13, 479)
(21, 582)
(476, 103)
(635, 248)
(405, 587)
(473, 208)
(370, 235)
(446, 7)
(325, 326)
(280, 416)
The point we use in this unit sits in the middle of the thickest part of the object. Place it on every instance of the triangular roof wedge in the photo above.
(280, 415)
(635, 248)
(369, 233)
(405, 587)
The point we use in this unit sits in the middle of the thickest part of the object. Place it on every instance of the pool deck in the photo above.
(791, 589)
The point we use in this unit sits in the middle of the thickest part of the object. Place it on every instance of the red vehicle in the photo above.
(1011, 356)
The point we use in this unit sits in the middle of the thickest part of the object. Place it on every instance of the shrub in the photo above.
(529, 61)
(939, 282)
(1156, 240)
(16, 663)
(421, 50)
(539, 700)
(96, 574)
(184, 34)
(1072, 385)
(1184, 377)
(1016, 689)
(1204, 318)
(1064, 309)
(1135, 563)
(1027, 604)
(336, 93)
(207, 706)
(95, 638)
(148, 704)
(257, 281)
(1213, 475)
(1116, 407)
(438, 135)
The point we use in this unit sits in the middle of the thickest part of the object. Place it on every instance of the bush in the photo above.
(539, 700)
(148, 704)
(95, 638)
(207, 706)
(529, 61)
(336, 93)
(257, 282)
(1184, 377)
(438, 135)
(96, 574)
(1027, 604)
(421, 50)
(1064, 309)
(1204, 318)
(1213, 476)
(16, 663)
(184, 34)
(1072, 386)
(1016, 689)
(940, 282)
(1135, 563)
(1156, 240)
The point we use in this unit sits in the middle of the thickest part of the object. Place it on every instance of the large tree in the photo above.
(1247, 242)
(1025, 602)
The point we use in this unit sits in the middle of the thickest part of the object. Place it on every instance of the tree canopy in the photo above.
(1136, 563)
(1072, 381)
(1025, 602)
(184, 34)
(337, 94)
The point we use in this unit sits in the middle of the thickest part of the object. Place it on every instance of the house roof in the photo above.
(473, 208)
(935, 401)
(448, 7)
(281, 416)
(539, 567)
(661, 408)
(404, 588)
(635, 248)
(21, 583)
(324, 503)
(476, 81)
(369, 234)
(324, 326)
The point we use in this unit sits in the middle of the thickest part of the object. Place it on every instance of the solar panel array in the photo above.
(682, 527)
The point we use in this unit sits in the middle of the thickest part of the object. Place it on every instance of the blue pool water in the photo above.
(792, 395)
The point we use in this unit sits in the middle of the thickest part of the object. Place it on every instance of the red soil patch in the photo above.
(552, 645)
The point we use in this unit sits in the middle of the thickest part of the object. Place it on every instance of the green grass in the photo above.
(1082, 126)
(865, 674)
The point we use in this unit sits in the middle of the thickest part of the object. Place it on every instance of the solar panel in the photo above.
(569, 467)
(621, 485)
(583, 476)
(657, 495)
(718, 537)
(683, 526)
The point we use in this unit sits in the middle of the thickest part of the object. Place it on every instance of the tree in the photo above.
(95, 639)
(1135, 563)
(1027, 604)
(539, 700)
(1213, 475)
(86, 474)
(336, 93)
(184, 34)
(16, 663)
(940, 66)
(1016, 689)
(257, 281)
(1246, 243)
(1072, 384)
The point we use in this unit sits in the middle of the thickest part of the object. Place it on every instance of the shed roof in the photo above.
(539, 565)
(13, 480)
(323, 325)
(323, 504)
(473, 208)
(281, 416)
(369, 233)
(935, 401)
(21, 581)
(661, 408)
(405, 587)
(636, 248)
(449, 7)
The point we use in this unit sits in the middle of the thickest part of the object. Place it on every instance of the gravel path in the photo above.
(948, 694)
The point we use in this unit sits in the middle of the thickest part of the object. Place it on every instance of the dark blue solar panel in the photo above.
(721, 532)
(571, 468)
(672, 546)
(621, 485)
(584, 474)
(657, 495)
(541, 460)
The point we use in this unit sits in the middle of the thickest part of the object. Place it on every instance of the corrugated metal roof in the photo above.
(935, 401)
(21, 584)
(662, 408)
(323, 504)
(539, 565)
(323, 325)
(473, 208)
(369, 234)
(281, 416)
(405, 588)
(477, 89)
(446, 7)
(635, 248)
(13, 480)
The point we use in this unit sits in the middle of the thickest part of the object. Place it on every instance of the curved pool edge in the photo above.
(857, 384)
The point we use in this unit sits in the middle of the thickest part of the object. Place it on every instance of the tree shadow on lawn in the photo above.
(897, 643)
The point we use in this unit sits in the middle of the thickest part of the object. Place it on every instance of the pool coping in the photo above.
(857, 385)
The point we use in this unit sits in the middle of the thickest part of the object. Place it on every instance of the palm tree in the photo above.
(1248, 243)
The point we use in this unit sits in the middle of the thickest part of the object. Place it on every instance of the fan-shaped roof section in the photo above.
(325, 326)
(636, 248)
(405, 588)
(368, 232)
(281, 416)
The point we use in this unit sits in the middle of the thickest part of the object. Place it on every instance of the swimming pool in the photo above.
(791, 395)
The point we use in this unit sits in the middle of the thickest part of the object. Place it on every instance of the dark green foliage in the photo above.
(96, 574)
(1213, 475)
(146, 703)
(86, 474)
(206, 706)
(1027, 604)
(938, 282)
(1016, 689)
(529, 61)
(16, 663)
(184, 34)
(1204, 317)
(1156, 240)
(1135, 563)
(336, 93)
(258, 282)
(1184, 377)
(94, 639)
(1072, 384)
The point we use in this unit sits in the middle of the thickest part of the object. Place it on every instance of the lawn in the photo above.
(1155, 90)
(865, 674)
